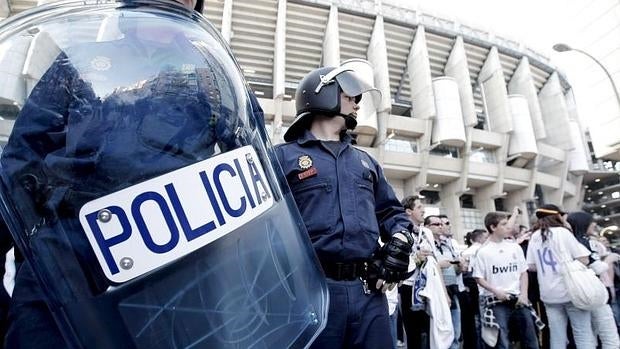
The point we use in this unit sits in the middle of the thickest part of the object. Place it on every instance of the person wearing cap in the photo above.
(550, 233)
(346, 204)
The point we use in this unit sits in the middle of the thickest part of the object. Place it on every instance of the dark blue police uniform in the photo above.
(346, 204)
(75, 141)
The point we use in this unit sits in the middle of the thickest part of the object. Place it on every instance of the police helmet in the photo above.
(319, 93)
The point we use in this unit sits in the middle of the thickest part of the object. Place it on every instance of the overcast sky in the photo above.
(536, 23)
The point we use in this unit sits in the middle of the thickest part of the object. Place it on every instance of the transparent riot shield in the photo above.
(140, 187)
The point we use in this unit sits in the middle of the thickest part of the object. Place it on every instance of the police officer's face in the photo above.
(348, 105)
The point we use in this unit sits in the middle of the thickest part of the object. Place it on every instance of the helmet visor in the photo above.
(353, 85)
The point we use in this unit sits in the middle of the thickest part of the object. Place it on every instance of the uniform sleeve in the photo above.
(390, 213)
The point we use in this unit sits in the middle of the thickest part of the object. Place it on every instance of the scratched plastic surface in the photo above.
(106, 96)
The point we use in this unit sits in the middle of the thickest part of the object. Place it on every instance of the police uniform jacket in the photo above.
(344, 199)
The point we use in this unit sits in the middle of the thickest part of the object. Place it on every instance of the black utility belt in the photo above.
(344, 271)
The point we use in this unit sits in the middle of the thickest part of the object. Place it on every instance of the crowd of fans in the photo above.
(501, 287)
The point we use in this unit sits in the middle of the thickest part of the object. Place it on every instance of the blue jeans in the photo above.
(527, 333)
(605, 328)
(615, 307)
(479, 342)
(455, 313)
(393, 325)
(580, 321)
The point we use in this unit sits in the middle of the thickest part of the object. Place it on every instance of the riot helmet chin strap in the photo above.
(349, 121)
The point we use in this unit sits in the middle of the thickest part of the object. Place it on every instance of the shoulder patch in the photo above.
(365, 164)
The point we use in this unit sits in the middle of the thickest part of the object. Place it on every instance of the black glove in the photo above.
(391, 261)
(396, 259)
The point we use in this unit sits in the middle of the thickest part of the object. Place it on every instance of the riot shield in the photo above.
(139, 184)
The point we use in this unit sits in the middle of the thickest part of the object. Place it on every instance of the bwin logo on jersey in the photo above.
(142, 227)
(510, 268)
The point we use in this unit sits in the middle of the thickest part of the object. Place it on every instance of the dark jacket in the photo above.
(344, 199)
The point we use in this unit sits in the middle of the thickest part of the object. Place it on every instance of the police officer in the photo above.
(347, 205)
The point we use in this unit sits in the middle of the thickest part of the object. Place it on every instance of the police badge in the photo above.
(305, 162)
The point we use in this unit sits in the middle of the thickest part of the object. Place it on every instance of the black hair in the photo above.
(580, 222)
(492, 219)
(409, 201)
(427, 220)
(547, 222)
(473, 235)
(442, 216)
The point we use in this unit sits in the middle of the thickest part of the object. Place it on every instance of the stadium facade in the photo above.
(470, 120)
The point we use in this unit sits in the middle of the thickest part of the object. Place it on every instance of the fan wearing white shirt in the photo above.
(550, 229)
(499, 267)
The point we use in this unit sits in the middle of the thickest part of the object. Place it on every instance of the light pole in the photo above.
(564, 48)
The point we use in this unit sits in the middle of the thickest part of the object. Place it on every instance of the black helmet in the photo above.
(319, 93)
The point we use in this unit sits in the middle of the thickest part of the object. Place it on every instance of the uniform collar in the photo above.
(308, 137)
